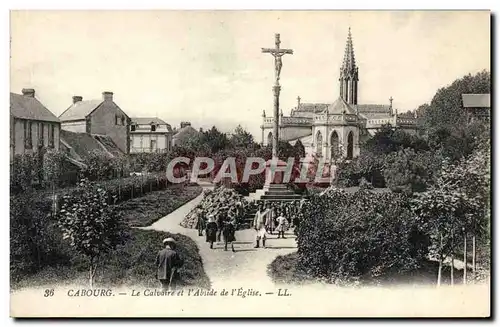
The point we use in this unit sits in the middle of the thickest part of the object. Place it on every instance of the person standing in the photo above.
(201, 221)
(260, 227)
(168, 263)
(282, 225)
(211, 231)
(269, 219)
(229, 233)
(220, 224)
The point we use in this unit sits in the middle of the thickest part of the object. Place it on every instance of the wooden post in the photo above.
(465, 257)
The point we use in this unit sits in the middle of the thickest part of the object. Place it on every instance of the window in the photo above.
(153, 145)
(123, 121)
(51, 136)
(132, 127)
(153, 128)
(41, 132)
(27, 135)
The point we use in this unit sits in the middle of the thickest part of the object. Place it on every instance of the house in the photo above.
(150, 135)
(32, 126)
(98, 117)
(477, 105)
(185, 133)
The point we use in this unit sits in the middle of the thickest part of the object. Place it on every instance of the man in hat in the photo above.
(168, 262)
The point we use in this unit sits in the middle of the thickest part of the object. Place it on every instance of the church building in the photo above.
(331, 130)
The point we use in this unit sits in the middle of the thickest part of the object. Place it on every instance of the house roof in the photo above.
(476, 100)
(185, 132)
(147, 121)
(142, 121)
(80, 110)
(339, 107)
(26, 107)
(83, 144)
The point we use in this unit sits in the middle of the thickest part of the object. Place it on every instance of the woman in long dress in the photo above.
(211, 231)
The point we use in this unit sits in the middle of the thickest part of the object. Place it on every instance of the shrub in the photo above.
(285, 270)
(345, 236)
(35, 240)
(409, 171)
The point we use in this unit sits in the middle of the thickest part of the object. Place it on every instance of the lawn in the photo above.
(131, 265)
(144, 211)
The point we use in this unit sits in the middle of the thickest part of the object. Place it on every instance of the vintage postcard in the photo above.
(250, 163)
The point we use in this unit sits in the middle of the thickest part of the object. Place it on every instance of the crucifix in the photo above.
(277, 53)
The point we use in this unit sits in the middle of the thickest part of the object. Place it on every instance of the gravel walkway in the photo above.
(247, 266)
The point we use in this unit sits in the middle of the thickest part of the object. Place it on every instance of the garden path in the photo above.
(247, 266)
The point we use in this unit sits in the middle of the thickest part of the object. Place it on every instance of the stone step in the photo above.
(277, 186)
(281, 196)
(273, 193)
(278, 190)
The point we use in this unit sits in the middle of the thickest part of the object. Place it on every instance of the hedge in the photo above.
(348, 236)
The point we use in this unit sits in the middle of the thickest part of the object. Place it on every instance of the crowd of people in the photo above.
(276, 217)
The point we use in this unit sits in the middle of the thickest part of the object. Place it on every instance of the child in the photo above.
(282, 225)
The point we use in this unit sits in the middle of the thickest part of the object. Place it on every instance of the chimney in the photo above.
(185, 123)
(77, 98)
(107, 96)
(29, 93)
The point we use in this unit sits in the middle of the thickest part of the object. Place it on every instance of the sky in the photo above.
(207, 67)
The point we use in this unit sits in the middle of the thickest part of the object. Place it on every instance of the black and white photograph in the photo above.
(239, 163)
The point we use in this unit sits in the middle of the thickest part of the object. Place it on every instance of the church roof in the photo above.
(373, 108)
(340, 107)
(308, 108)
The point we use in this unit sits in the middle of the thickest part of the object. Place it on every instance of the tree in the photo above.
(446, 108)
(299, 148)
(92, 227)
(215, 140)
(241, 138)
(455, 204)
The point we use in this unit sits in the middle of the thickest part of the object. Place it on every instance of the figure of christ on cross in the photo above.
(277, 53)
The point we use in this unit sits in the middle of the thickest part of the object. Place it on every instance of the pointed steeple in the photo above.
(349, 73)
(349, 63)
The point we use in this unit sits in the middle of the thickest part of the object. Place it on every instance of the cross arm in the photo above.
(274, 51)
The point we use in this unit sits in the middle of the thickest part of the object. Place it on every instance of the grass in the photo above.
(132, 264)
(283, 270)
(144, 211)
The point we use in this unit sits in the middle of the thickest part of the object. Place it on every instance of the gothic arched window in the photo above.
(334, 145)
(319, 144)
(270, 138)
(350, 145)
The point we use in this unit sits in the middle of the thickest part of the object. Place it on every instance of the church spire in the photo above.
(349, 62)
(349, 73)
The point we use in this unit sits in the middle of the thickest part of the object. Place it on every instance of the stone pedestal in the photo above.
(273, 173)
